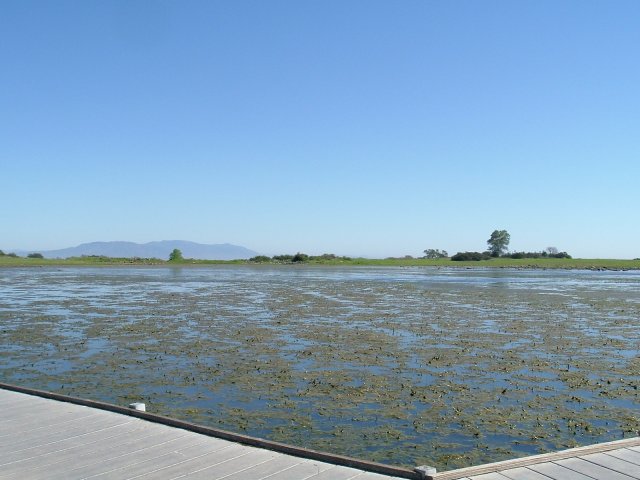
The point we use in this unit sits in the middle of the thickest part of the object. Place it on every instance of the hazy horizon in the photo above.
(259, 252)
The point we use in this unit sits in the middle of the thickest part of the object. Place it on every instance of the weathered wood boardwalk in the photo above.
(605, 461)
(43, 438)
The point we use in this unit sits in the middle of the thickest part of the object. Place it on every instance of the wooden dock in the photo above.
(49, 436)
(618, 460)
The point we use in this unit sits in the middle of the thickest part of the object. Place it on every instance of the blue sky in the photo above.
(374, 128)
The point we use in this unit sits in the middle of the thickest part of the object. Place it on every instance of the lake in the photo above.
(446, 367)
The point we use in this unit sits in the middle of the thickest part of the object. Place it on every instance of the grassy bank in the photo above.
(572, 263)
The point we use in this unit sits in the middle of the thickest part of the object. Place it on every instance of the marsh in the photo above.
(446, 367)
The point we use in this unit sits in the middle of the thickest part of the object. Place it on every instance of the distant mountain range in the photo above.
(224, 251)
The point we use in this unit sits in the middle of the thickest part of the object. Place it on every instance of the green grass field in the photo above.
(575, 263)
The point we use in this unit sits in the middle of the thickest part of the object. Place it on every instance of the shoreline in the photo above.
(517, 264)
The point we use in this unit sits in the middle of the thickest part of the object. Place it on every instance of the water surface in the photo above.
(446, 367)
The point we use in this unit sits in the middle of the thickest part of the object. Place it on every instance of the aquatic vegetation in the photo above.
(400, 365)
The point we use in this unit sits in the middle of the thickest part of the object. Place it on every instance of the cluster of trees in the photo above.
(497, 246)
(543, 254)
(297, 258)
(471, 256)
(31, 255)
(435, 253)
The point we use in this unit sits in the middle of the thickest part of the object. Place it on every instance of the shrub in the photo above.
(282, 258)
(300, 257)
(470, 256)
(260, 259)
(35, 255)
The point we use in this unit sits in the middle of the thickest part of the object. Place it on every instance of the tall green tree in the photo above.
(498, 242)
(176, 255)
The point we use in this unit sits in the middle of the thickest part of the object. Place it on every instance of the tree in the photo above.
(498, 242)
(176, 256)
(35, 255)
(300, 257)
(432, 253)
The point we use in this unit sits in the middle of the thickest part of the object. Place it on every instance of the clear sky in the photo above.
(374, 128)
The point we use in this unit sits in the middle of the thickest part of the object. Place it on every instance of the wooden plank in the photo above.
(591, 469)
(10, 455)
(35, 407)
(39, 409)
(104, 449)
(603, 461)
(371, 476)
(489, 476)
(81, 466)
(195, 463)
(626, 454)
(66, 430)
(35, 419)
(343, 473)
(308, 469)
(523, 473)
(206, 470)
(535, 459)
(277, 464)
(558, 472)
(137, 466)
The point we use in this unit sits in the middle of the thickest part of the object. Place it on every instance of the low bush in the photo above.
(260, 259)
(282, 258)
(300, 257)
(471, 256)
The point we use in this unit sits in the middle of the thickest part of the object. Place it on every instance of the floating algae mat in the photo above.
(446, 367)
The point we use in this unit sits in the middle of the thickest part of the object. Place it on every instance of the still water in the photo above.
(446, 367)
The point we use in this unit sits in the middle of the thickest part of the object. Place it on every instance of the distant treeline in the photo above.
(297, 258)
(31, 255)
(106, 259)
(497, 243)
(478, 256)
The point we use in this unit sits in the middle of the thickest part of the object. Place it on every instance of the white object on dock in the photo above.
(141, 407)
(425, 471)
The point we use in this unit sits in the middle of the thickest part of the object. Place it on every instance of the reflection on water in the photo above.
(447, 367)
